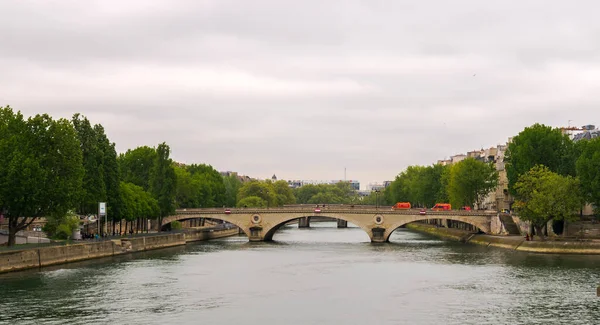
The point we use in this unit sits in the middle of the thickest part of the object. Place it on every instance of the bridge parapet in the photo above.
(323, 211)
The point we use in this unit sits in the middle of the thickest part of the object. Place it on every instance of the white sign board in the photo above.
(102, 208)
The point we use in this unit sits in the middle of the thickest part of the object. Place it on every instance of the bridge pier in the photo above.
(377, 236)
(255, 234)
(304, 222)
(342, 223)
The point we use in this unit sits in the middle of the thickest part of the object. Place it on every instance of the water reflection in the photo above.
(319, 275)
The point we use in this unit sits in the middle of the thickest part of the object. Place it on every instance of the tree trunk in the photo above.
(539, 232)
(120, 228)
(12, 236)
(15, 226)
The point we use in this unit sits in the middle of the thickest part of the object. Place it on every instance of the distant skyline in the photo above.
(304, 89)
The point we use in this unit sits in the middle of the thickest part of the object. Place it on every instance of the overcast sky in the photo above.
(302, 89)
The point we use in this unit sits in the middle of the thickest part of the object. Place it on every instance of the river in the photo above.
(320, 275)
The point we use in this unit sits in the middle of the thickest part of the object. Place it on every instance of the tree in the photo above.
(470, 181)
(232, 186)
(135, 166)
(397, 191)
(544, 195)
(101, 169)
(262, 190)
(163, 180)
(40, 168)
(252, 202)
(62, 227)
(199, 186)
(423, 186)
(539, 145)
(284, 193)
(94, 188)
(137, 203)
(110, 171)
(588, 172)
(376, 198)
(187, 193)
(338, 193)
(304, 193)
(214, 192)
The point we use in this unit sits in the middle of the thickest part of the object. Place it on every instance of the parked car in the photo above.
(317, 210)
(423, 211)
(227, 211)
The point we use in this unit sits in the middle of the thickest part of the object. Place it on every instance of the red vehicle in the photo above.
(442, 207)
(423, 211)
(466, 208)
(401, 206)
(317, 210)
(227, 211)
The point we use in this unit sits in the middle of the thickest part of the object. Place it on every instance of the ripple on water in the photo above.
(311, 276)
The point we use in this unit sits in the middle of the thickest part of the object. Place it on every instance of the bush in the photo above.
(63, 227)
(176, 225)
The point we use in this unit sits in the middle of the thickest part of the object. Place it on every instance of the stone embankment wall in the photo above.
(583, 229)
(447, 233)
(517, 243)
(52, 255)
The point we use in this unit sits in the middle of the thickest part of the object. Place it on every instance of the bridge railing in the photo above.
(324, 210)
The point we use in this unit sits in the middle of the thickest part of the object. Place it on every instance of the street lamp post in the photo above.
(376, 199)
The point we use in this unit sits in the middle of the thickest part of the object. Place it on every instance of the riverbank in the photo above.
(517, 243)
(16, 260)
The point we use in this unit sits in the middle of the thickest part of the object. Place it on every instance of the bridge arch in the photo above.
(348, 218)
(483, 227)
(221, 217)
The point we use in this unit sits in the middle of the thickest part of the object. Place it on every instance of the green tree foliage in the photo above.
(101, 171)
(40, 168)
(588, 171)
(163, 181)
(112, 179)
(136, 165)
(304, 193)
(199, 186)
(423, 186)
(338, 193)
(263, 190)
(539, 145)
(377, 198)
(176, 225)
(232, 186)
(62, 227)
(471, 181)
(212, 181)
(188, 194)
(137, 203)
(252, 202)
(94, 187)
(283, 193)
(544, 195)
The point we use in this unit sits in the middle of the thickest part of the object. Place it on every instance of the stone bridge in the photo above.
(261, 224)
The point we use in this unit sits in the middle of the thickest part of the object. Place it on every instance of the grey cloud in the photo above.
(305, 88)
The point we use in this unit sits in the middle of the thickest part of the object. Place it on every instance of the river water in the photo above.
(320, 275)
